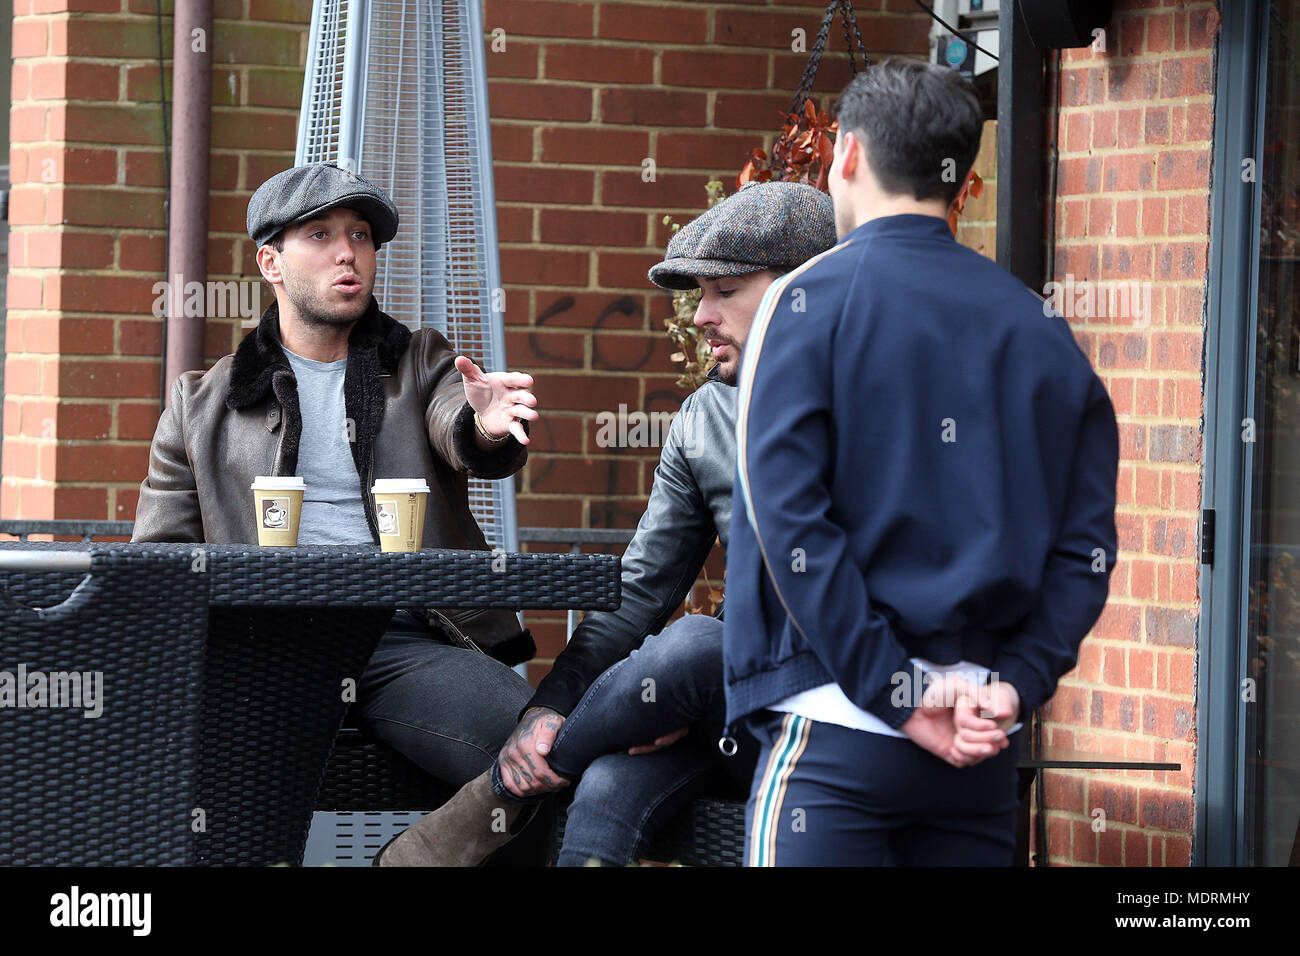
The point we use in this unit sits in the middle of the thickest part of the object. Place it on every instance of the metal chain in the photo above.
(848, 20)
(814, 59)
(848, 42)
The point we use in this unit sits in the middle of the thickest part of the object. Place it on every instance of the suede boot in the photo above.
(462, 832)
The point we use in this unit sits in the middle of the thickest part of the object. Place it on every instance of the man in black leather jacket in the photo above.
(641, 722)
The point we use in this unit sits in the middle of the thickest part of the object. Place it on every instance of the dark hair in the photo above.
(920, 124)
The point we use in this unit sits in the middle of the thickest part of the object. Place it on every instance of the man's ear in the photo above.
(849, 161)
(269, 265)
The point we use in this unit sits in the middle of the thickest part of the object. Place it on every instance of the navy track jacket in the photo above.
(926, 467)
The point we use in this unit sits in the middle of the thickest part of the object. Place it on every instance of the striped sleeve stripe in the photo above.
(749, 363)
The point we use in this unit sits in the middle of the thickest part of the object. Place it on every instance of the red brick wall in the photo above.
(87, 229)
(1133, 204)
(584, 92)
(582, 95)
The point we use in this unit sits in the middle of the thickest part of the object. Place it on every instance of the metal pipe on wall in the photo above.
(1020, 149)
(187, 249)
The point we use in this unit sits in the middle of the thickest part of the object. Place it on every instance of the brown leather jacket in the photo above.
(240, 419)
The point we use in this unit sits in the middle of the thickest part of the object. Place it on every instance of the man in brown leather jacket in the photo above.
(330, 388)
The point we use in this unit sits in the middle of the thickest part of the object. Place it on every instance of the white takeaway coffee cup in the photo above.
(277, 508)
(399, 511)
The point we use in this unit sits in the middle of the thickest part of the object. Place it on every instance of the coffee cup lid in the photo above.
(273, 483)
(399, 486)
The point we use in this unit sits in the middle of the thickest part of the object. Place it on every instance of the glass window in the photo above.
(1273, 719)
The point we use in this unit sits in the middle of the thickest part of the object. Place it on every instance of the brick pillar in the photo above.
(1136, 132)
(977, 226)
(83, 344)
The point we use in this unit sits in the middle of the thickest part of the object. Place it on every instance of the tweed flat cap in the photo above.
(772, 225)
(305, 191)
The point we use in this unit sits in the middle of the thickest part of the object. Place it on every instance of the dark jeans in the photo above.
(448, 710)
(673, 680)
(832, 796)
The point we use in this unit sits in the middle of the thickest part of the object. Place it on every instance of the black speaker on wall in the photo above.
(1053, 24)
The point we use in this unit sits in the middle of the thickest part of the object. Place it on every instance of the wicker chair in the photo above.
(364, 775)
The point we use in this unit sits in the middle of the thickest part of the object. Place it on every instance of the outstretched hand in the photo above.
(501, 399)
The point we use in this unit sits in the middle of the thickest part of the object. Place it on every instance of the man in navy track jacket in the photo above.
(925, 492)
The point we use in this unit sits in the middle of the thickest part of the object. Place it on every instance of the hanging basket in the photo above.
(803, 150)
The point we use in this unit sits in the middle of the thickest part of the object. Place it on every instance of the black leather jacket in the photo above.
(690, 506)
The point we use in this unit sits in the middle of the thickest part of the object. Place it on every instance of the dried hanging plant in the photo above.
(802, 152)
(973, 186)
(690, 346)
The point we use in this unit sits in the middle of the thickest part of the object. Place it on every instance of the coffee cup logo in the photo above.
(275, 513)
(387, 518)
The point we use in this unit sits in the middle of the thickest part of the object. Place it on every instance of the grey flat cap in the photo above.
(762, 226)
(305, 191)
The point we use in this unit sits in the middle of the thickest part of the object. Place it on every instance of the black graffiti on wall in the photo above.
(623, 305)
(658, 400)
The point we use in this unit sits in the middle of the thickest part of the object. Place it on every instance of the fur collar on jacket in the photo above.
(260, 353)
(375, 346)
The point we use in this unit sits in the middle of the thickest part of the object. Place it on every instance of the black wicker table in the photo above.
(223, 677)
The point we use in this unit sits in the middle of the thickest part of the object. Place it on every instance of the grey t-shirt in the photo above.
(332, 512)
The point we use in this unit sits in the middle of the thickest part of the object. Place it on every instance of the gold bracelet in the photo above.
(483, 431)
